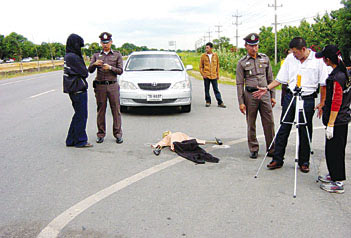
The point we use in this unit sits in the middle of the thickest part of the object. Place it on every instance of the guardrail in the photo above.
(19, 67)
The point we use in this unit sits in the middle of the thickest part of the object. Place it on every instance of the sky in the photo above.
(152, 23)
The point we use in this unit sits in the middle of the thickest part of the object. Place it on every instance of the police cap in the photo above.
(105, 37)
(252, 39)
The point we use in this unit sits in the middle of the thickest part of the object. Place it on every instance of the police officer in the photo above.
(109, 64)
(254, 70)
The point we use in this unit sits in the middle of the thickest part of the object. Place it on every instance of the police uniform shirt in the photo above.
(112, 58)
(253, 72)
(313, 71)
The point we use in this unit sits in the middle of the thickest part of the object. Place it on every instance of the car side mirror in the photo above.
(189, 67)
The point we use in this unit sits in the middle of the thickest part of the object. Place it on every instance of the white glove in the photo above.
(329, 132)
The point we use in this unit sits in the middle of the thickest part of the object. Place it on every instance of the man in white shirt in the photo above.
(313, 72)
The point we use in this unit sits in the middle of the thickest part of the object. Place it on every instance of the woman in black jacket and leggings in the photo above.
(336, 116)
(75, 84)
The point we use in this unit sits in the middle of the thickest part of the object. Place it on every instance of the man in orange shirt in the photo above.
(209, 69)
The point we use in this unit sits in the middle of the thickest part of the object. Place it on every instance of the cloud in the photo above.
(199, 10)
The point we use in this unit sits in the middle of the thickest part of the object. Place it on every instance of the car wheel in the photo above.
(124, 109)
(186, 108)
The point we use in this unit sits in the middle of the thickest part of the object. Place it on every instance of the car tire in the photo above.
(124, 109)
(186, 108)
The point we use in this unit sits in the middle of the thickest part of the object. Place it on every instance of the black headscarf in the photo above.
(74, 44)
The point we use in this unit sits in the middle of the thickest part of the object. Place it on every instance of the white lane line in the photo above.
(53, 229)
(37, 95)
(19, 81)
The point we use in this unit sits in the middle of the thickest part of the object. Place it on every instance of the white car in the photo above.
(29, 59)
(155, 78)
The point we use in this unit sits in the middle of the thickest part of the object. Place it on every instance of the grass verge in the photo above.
(8, 75)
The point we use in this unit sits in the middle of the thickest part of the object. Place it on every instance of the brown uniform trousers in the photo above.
(264, 106)
(105, 89)
(110, 92)
(252, 73)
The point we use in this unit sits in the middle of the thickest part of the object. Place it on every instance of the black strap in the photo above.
(105, 82)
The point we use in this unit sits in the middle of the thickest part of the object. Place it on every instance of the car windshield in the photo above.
(154, 62)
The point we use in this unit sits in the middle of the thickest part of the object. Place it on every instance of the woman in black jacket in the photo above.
(75, 84)
(336, 116)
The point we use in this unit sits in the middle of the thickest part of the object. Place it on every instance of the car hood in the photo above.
(153, 76)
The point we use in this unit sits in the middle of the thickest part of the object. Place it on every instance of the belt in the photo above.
(310, 96)
(105, 82)
(251, 89)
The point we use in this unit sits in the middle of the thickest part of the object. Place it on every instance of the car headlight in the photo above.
(182, 85)
(127, 85)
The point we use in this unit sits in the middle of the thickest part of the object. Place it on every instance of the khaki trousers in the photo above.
(102, 93)
(263, 106)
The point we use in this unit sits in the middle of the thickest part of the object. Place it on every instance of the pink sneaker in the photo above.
(333, 187)
(325, 179)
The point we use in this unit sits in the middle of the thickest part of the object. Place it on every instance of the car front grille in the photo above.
(154, 86)
(154, 102)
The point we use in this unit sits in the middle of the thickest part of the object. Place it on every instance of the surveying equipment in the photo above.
(299, 110)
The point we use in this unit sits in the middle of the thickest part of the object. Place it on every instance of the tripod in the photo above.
(297, 97)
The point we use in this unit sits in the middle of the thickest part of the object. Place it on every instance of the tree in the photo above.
(222, 43)
(266, 41)
(13, 45)
(343, 29)
(2, 37)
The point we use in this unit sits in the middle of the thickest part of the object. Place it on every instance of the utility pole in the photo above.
(237, 24)
(218, 30)
(209, 36)
(204, 39)
(275, 29)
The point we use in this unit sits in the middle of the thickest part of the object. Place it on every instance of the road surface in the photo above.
(125, 191)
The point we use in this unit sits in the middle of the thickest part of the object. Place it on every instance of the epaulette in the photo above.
(261, 54)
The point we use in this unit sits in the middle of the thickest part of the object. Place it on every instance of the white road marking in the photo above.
(19, 81)
(28, 79)
(37, 95)
(221, 146)
(53, 229)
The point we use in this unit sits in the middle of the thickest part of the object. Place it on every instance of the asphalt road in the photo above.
(125, 191)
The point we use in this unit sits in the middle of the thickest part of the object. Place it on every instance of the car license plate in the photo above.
(154, 97)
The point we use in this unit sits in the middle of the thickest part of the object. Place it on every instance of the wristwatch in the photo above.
(110, 67)
(267, 88)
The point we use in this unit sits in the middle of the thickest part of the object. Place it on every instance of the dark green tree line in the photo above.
(16, 46)
(333, 28)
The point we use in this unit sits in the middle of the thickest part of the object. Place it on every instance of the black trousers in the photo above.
(77, 135)
(281, 140)
(335, 153)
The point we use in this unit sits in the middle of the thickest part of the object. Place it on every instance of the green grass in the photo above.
(227, 60)
(8, 75)
(194, 60)
(18, 74)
